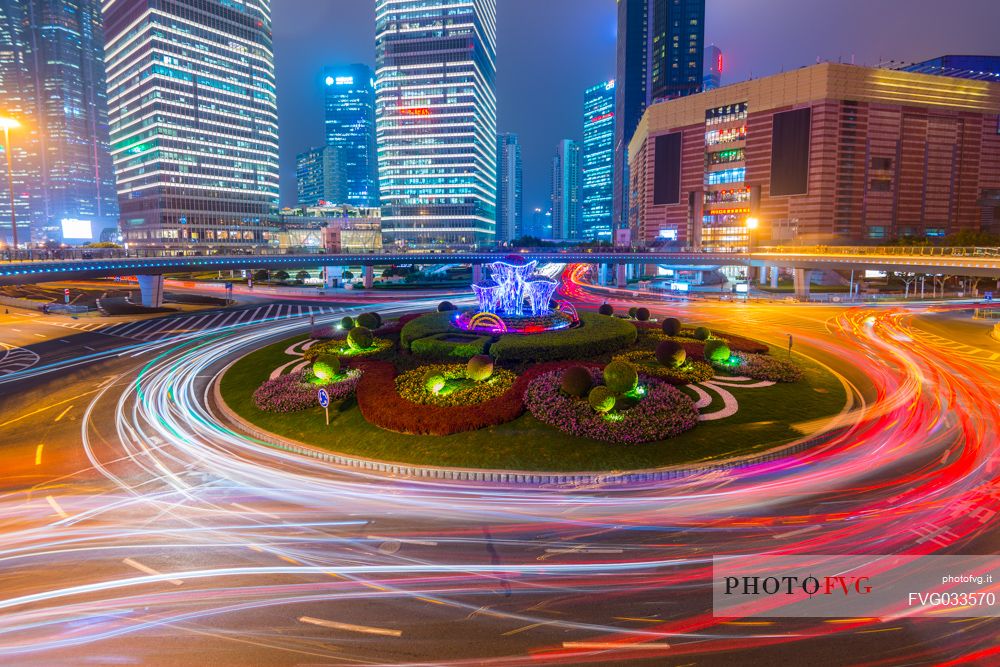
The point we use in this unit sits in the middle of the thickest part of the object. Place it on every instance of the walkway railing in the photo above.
(888, 251)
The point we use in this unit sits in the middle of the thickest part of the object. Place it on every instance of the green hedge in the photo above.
(424, 326)
(435, 346)
(596, 335)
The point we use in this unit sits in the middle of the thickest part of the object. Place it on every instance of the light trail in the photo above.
(248, 528)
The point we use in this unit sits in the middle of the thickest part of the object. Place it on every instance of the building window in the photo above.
(881, 163)
(880, 185)
(877, 232)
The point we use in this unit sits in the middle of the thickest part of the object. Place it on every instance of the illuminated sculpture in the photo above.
(514, 281)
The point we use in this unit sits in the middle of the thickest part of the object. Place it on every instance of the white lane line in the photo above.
(800, 531)
(425, 543)
(609, 646)
(266, 312)
(55, 506)
(148, 570)
(350, 627)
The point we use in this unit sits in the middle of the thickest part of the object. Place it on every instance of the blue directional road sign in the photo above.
(324, 398)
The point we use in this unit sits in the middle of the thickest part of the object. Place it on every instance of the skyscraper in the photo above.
(194, 124)
(435, 91)
(509, 186)
(566, 190)
(676, 48)
(712, 68)
(313, 172)
(660, 51)
(350, 135)
(52, 79)
(597, 160)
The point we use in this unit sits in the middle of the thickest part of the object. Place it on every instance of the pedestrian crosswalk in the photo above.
(14, 359)
(166, 327)
(970, 352)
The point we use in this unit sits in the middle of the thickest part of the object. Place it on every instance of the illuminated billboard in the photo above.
(73, 228)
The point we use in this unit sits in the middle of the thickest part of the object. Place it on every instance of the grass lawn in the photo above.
(763, 421)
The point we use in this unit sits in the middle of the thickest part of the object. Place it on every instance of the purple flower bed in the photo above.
(294, 392)
(663, 412)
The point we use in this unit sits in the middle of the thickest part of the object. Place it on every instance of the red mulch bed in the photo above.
(382, 406)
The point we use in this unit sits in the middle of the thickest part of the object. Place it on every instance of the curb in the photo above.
(504, 477)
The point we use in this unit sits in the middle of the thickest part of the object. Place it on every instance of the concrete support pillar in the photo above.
(151, 290)
(477, 273)
(602, 278)
(774, 276)
(369, 277)
(801, 278)
(621, 277)
(332, 275)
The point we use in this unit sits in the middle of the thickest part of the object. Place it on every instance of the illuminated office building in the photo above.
(597, 161)
(194, 125)
(313, 170)
(566, 190)
(509, 188)
(52, 80)
(712, 78)
(350, 135)
(435, 90)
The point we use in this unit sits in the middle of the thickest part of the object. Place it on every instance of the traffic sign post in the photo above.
(66, 295)
(229, 293)
(324, 401)
(789, 345)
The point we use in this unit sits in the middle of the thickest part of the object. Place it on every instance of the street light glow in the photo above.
(8, 123)
(752, 223)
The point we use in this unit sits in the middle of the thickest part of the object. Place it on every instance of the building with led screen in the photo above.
(52, 81)
(829, 154)
(597, 161)
(436, 120)
(194, 125)
(350, 135)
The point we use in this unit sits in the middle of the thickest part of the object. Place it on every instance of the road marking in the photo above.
(781, 536)
(424, 543)
(40, 335)
(148, 570)
(38, 455)
(63, 413)
(523, 629)
(608, 646)
(87, 347)
(350, 627)
(54, 505)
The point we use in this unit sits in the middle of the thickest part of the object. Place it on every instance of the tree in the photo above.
(347, 275)
(280, 274)
(260, 275)
(302, 275)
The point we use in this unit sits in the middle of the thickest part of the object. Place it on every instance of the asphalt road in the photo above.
(135, 529)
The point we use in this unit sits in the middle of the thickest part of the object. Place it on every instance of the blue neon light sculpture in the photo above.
(515, 282)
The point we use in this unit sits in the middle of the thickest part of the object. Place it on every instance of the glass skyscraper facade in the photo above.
(312, 182)
(712, 78)
(52, 80)
(566, 190)
(194, 124)
(597, 161)
(350, 135)
(435, 92)
(509, 188)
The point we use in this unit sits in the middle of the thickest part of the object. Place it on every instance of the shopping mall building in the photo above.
(827, 154)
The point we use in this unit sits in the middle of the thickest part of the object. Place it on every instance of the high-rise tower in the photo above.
(566, 190)
(509, 188)
(435, 91)
(194, 123)
(350, 134)
(597, 161)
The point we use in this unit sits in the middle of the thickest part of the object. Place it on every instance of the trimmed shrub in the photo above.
(347, 323)
(445, 306)
(601, 399)
(576, 381)
(606, 309)
(326, 367)
(691, 372)
(596, 335)
(424, 326)
(702, 333)
(479, 367)
(642, 314)
(671, 354)
(632, 312)
(716, 351)
(293, 392)
(360, 338)
(369, 321)
(671, 326)
(620, 377)
(450, 345)
(434, 381)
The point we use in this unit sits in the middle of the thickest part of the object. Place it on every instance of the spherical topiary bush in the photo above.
(632, 311)
(702, 333)
(479, 367)
(445, 306)
(642, 314)
(606, 309)
(360, 338)
(434, 381)
(368, 320)
(326, 367)
(620, 377)
(671, 326)
(347, 323)
(671, 354)
(601, 399)
(576, 381)
(717, 351)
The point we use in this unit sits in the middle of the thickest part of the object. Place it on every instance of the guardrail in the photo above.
(888, 251)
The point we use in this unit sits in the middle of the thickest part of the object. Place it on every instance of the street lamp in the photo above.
(8, 124)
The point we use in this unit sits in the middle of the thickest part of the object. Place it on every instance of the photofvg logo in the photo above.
(855, 586)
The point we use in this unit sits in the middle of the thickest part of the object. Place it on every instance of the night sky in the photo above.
(549, 51)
